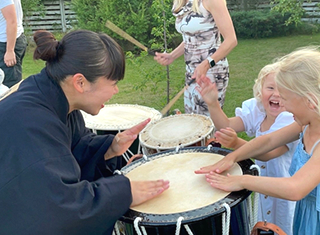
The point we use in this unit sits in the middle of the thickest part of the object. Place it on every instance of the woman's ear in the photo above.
(79, 82)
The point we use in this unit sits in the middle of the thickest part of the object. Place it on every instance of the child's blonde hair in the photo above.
(264, 72)
(299, 72)
(178, 4)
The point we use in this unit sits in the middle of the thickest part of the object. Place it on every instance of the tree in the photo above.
(30, 6)
(293, 7)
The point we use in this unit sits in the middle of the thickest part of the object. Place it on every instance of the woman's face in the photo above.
(99, 93)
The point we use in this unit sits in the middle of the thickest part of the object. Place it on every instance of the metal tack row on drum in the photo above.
(175, 131)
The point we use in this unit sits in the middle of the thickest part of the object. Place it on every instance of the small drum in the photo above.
(190, 203)
(114, 118)
(174, 131)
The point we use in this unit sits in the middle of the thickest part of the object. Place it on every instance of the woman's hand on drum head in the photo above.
(123, 140)
(208, 90)
(227, 182)
(219, 167)
(143, 191)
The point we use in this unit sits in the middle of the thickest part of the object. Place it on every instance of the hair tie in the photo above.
(59, 49)
(58, 45)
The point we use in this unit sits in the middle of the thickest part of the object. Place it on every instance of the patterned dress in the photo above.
(307, 212)
(201, 38)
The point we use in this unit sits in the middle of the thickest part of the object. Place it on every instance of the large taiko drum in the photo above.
(114, 118)
(182, 130)
(190, 204)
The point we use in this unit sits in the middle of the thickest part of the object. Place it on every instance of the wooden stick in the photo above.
(123, 34)
(171, 103)
(12, 89)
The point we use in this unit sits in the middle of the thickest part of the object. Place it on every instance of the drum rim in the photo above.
(156, 115)
(144, 143)
(214, 209)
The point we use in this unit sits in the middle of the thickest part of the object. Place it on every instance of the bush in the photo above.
(266, 23)
(306, 28)
(142, 19)
(30, 6)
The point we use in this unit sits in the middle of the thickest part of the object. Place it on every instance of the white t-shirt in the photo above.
(273, 210)
(3, 23)
(252, 116)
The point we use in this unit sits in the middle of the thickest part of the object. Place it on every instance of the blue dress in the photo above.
(307, 212)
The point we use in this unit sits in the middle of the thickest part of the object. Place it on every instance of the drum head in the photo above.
(189, 194)
(176, 130)
(188, 191)
(120, 117)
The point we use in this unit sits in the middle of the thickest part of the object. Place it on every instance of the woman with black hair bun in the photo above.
(55, 176)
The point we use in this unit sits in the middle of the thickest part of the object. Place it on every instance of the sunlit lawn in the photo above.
(245, 61)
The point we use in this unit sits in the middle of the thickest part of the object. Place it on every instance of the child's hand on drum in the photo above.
(219, 167)
(227, 183)
(123, 140)
(208, 91)
(143, 191)
(227, 137)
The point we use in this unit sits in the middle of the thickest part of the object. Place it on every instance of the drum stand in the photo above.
(128, 154)
(225, 224)
(127, 157)
(253, 209)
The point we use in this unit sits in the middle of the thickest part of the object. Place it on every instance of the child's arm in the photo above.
(256, 148)
(290, 188)
(265, 143)
(229, 139)
(209, 93)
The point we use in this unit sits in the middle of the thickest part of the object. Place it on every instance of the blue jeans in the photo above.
(13, 74)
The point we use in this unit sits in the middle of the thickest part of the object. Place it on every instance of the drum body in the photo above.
(189, 197)
(182, 130)
(115, 118)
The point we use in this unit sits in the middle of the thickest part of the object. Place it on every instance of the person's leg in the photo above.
(14, 74)
(3, 47)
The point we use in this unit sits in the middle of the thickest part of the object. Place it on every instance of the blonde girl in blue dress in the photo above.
(298, 81)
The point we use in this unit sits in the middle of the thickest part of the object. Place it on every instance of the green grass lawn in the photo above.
(245, 61)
